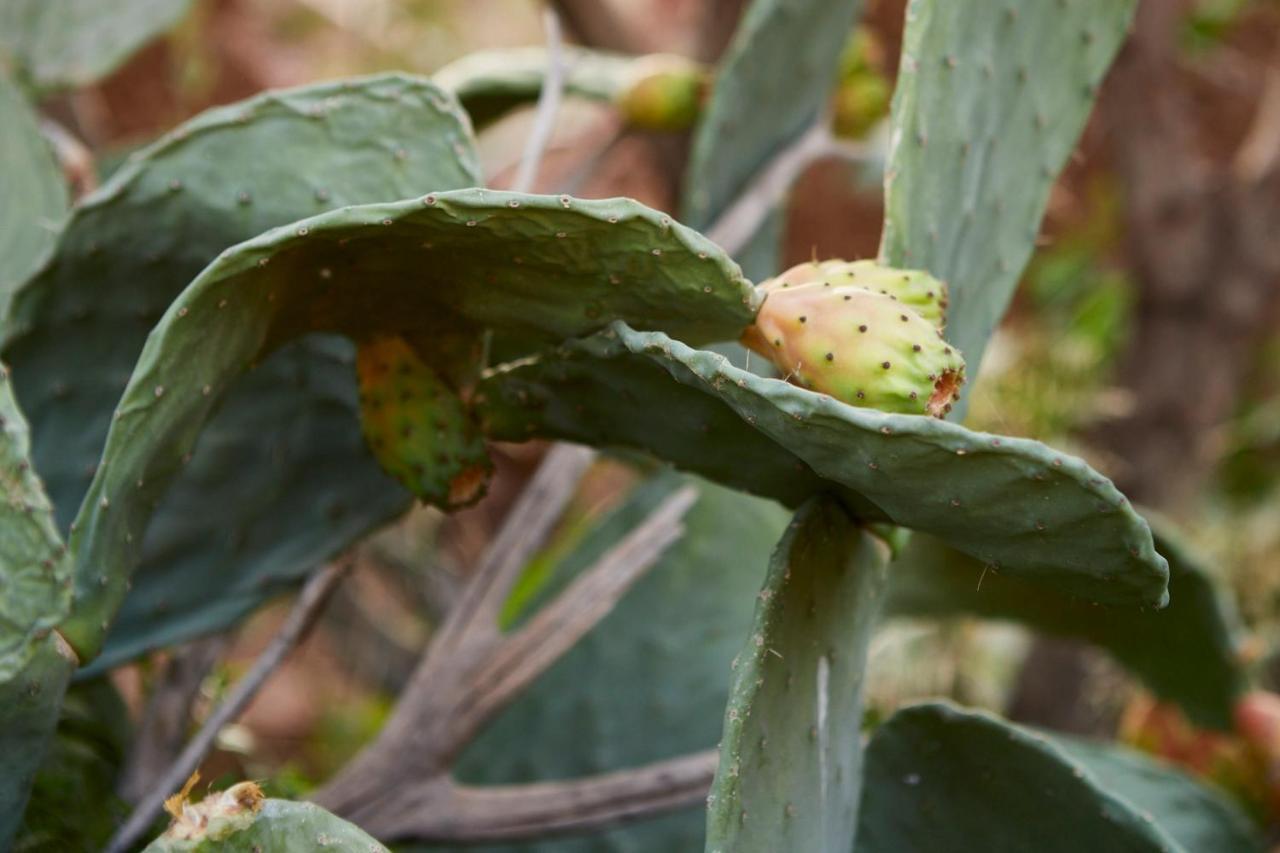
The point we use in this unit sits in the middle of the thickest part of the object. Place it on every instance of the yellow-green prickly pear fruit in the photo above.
(918, 290)
(663, 92)
(861, 347)
(418, 427)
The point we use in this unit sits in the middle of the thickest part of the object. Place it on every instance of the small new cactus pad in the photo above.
(863, 348)
(417, 427)
(916, 289)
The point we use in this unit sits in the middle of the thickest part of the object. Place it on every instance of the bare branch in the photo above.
(548, 105)
(445, 811)
(527, 653)
(299, 621)
(164, 721)
(734, 228)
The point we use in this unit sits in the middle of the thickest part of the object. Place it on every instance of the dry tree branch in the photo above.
(299, 621)
(401, 787)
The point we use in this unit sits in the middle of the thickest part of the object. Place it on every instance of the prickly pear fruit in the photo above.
(918, 290)
(863, 348)
(663, 92)
(418, 427)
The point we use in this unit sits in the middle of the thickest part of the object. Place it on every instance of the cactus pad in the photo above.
(940, 779)
(34, 200)
(62, 43)
(772, 81)
(989, 102)
(1013, 503)
(538, 265)
(418, 427)
(1187, 653)
(281, 479)
(790, 759)
(861, 347)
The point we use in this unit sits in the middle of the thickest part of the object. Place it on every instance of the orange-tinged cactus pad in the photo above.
(861, 347)
(419, 428)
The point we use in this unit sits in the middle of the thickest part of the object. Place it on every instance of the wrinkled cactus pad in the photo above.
(863, 347)
(418, 427)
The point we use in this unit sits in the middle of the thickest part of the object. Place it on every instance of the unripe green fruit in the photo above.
(861, 347)
(418, 428)
(918, 290)
(664, 92)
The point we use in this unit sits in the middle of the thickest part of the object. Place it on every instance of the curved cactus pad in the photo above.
(773, 80)
(1186, 653)
(1012, 503)
(940, 779)
(546, 265)
(34, 575)
(791, 756)
(989, 102)
(281, 478)
(242, 825)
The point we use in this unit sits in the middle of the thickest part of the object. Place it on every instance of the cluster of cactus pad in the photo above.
(867, 335)
(329, 298)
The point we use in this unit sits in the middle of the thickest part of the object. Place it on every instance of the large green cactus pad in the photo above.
(650, 681)
(541, 265)
(773, 80)
(990, 100)
(73, 42)
(1013, 503)
(489, 83)
(1186, 653)
(29, 701)
(943, 780)
(34, 200)
(281, 478)
(791, 755)
(279, 826)
(34, 573)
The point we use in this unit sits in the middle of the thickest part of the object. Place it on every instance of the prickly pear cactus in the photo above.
(418, 428)
(990, 100)
(241, 820)
(862, 347)
(772, 81)
(34, 200)
(545, 266)
(791, 755)
(941, 779)
(1188, 652)
(57, 43)
(1014, 504)
(35, 663)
